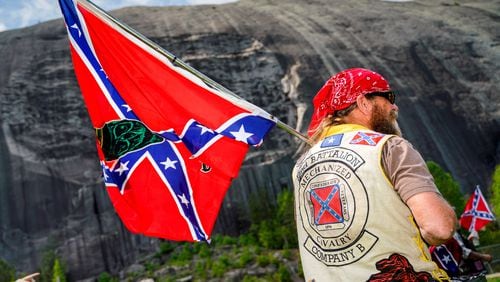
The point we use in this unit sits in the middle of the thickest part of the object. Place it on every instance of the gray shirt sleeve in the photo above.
(406, 169)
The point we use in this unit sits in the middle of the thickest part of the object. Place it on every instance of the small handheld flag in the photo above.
(477, 213)
(168, 141)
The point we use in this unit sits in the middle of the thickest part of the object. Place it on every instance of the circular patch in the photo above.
(333, 206)
(333, 213)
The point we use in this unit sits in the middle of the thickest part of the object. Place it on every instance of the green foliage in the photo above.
(495, 192)
(282, 275)
(268, 237)
(201, 268)
(301, 270)
(448, 187)
(224, 259)
(150, 267)
(224, 240)
(274, 226)
(286, 218)
(247, 239)
(7, 272)
(228, 240)
(216, 239)
(491, 234)
(249, 278)
(58, 273)
(263, 260)
(166, 279)
(47, 266)
(451, 192)
(204, 251)
(245, 258)
(221, 266)
(287, 254)
(182, 255)
(166, 248)
(106, 277)
(257, 250)
(261, 207)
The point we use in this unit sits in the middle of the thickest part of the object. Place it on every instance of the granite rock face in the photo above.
(441, 56)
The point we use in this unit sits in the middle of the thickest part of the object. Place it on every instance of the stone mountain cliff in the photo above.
(441, 56)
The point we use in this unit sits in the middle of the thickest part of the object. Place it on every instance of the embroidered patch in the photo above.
(120, 137)
(398, 268)
(332, 141)
(327, 205)
(366, 138)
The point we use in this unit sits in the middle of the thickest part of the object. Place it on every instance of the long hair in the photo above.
(336, 118)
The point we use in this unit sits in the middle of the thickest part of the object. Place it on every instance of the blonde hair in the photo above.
(336, 118)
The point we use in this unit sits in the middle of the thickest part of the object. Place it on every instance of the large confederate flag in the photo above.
(169, 145)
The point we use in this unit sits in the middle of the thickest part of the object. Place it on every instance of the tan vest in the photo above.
(352, 225)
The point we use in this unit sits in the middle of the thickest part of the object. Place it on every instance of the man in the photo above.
(365, 201)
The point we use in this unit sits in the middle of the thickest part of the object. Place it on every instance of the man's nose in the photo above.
(395, 107)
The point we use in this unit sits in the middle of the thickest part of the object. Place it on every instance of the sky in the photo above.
(22, 13)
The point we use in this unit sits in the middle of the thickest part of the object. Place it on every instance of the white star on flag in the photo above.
(127, 107)
(446, 259)
(241, 134)
(123, 167)
(183, 199)
(168, 163)
(75, 26)
(204, 129)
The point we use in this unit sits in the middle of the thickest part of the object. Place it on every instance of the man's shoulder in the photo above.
(395, 140)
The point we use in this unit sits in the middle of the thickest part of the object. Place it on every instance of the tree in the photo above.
(285, 217)
(495, 192)
(7, 272)
(491, 235)
(273, 225)
(448, 187)
(47, 265)
(58, 274)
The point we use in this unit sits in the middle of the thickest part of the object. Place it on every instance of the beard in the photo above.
(385, 123)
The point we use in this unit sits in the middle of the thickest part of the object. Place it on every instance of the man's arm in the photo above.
(407, 170)
(434, 217)
(480, 256)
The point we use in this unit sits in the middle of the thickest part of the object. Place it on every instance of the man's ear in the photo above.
(363, 104)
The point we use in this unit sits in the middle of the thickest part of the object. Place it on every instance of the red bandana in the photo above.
(341, 90)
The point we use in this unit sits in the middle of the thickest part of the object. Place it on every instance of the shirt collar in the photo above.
(341, 128)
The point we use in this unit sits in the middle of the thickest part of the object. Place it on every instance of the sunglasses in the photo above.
(390, 96)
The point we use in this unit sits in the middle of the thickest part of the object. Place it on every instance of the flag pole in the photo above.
(208, 81)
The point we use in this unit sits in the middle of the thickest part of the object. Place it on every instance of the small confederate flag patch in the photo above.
(366, 138)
